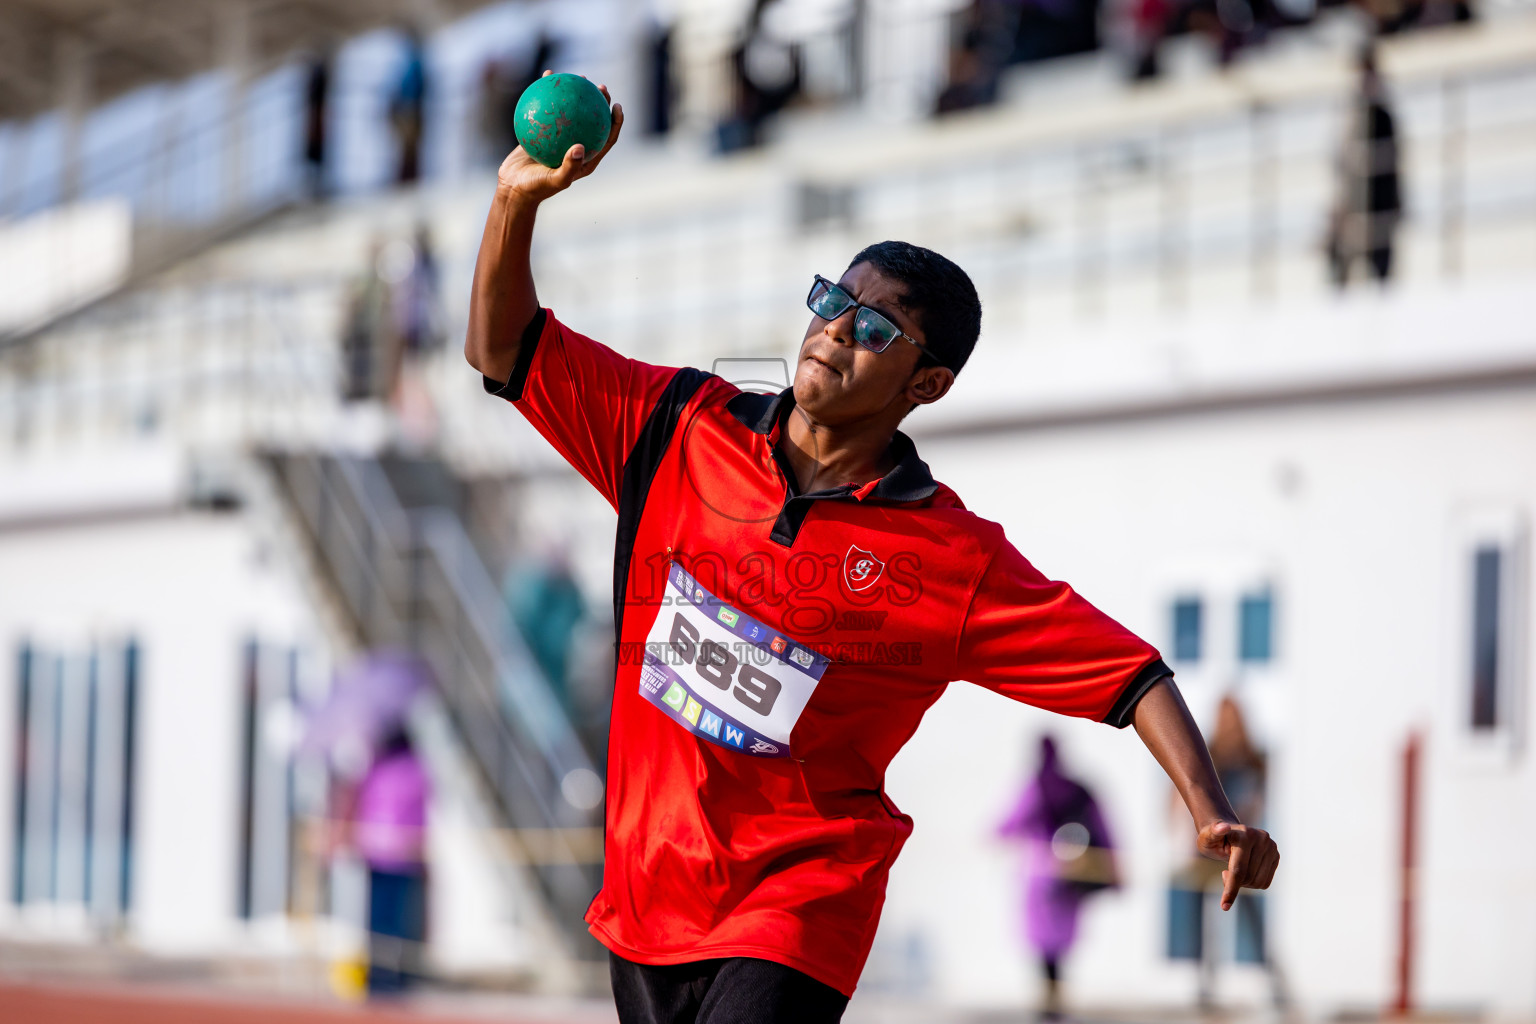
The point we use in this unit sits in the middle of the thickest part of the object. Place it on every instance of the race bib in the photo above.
(724, 676)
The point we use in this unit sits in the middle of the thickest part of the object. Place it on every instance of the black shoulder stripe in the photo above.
(512, 390)
(1124, 710)
(640, 468)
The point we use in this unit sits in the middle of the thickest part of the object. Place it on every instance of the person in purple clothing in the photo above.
(1068, 855)
(389, 827)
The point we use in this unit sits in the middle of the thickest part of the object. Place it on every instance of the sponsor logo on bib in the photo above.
(719, 677)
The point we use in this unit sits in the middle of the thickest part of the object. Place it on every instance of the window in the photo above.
(1486, 565)
(1256, 626)
(1489, 559)
(1186, 629)
(73, 826)
(25, 665)
(269, 780)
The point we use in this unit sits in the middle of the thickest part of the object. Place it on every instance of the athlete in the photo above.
(792, 590)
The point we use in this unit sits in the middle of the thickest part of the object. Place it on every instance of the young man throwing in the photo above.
(792, 590)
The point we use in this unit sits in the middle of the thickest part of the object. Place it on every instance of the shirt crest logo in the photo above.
(861, 568)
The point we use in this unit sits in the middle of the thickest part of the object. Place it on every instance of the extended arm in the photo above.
(502, 299)
(1165, 726)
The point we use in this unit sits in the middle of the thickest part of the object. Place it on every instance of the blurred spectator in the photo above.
(317, 91)
(389, 824)
(1229, 24)
(502, 84)
(1243, 771)
(661, 90)
(416, 305)
(546, 606)
(379, 795)
(1240, 765)
(1368, 205)
(393, 328)
(368, 340)
(493, 112)
(975, 58)
(1392, 16)
(988, 35)
(1069, 855)
(1138, 28)
(407, 108)
(766, 73)
(1043, 29)
(545, 51)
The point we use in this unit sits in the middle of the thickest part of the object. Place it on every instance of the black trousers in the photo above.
(736, 990)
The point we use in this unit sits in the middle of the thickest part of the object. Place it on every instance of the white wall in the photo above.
(1353, 509)
(191, 588)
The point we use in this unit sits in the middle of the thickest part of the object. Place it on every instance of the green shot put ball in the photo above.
(557, 112)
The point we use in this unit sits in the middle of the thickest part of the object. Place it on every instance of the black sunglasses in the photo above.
(870, 328)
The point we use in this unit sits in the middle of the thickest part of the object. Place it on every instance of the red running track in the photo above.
(39, 1004)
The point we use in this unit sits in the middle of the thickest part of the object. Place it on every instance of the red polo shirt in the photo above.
(776, 650)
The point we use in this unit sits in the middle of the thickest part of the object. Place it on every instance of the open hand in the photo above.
(1250, 853)
(522, 175)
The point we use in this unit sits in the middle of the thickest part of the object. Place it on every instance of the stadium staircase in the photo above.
(387, 536)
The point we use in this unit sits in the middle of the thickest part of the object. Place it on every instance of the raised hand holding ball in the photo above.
(563, 130)
(558, 112)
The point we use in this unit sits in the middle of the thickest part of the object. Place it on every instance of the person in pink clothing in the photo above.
(389, 828)
(1068, 855)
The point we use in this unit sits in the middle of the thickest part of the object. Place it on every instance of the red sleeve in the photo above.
(1037, 641)
(587, 400)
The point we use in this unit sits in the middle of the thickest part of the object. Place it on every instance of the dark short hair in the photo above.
(938, 293)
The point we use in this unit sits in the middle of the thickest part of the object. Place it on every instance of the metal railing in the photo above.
(186, 185)
(1170, 200)
(413, 579)
(211, 363)
(205, 167)
(1174, 207)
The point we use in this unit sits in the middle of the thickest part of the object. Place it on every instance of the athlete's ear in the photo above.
(929, 384)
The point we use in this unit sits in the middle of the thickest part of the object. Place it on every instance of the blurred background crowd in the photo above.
(305, 642)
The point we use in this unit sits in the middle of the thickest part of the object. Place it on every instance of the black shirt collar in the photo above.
(910, 480)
